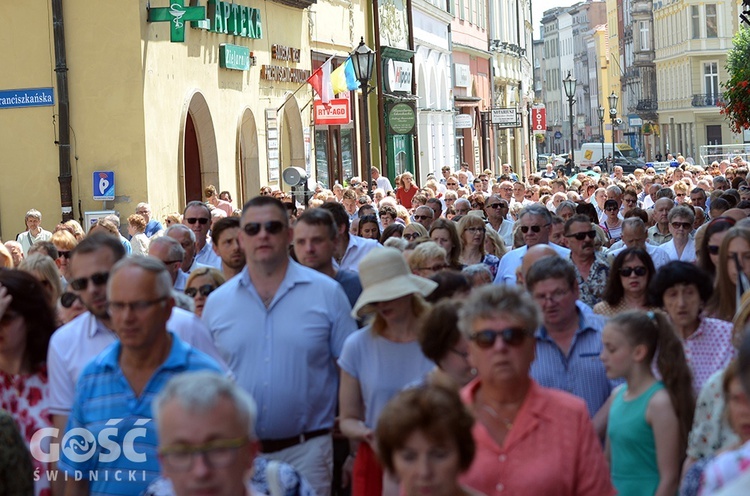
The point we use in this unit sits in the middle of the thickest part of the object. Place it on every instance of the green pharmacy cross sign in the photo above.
(176, 14)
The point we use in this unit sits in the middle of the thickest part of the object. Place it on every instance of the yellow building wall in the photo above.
(613, 74)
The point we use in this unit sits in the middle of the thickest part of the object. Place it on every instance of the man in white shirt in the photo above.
(350, 249)
(634, 234)
(186, 237)
(382, 181)
(197, 217)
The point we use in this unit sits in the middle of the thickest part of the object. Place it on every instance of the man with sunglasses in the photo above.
(569, 340)
(536, 224)
(282, 325)
(76, 343)
(496, 209)
(118, 386)
(197, 217)
(592, 269)
(186, 237)
(424, 215)
(170, 253)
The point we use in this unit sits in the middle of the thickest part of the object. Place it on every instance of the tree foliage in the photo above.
(736, 105)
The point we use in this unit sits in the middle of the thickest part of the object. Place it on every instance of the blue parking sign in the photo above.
(104, 185)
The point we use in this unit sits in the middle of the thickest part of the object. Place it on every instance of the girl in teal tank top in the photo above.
(649, 420)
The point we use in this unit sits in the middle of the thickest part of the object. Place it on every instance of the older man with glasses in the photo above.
(496, 209)
(197, 217)
(592, 269)
(286, 358)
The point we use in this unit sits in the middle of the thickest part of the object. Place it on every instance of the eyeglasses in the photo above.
(611, 209)
(451, 184)
(498, 205)
(554, 297)
(639, 271)
(271, 227)
(201, 220)
(411, 236)
(682, 225)
(134, 306)
(67, 299)
(422, 217)
(204, 290)
(215, 454)
(476, 205)
(582, 235)
(434, 268)
(536, 229)
(629, 200)
(713, 249)
(512, 336)
(475, 230)
(99, 279)
(63, 254)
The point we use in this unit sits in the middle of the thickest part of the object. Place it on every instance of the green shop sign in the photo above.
(176, 14)
(401, 118)
(230, 18)
(234, 57)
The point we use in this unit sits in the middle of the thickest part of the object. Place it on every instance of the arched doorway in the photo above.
(248, 162)
(198, 157)
(292, 139)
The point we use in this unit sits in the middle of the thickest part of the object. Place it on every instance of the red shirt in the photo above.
(404, 197)
(551, 449)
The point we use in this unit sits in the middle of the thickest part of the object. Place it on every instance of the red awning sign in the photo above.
(337, 111)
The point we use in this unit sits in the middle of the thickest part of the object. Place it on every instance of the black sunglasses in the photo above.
(423, 217)
(201, 220)
(713, 249)
(99, 279)
(536, 229)
(582, 235)
(498, 205)
(63, 254)
(204, 290)
(685, 225)
(271, 227)
(67, 299)
(639, 271)
(512, 336)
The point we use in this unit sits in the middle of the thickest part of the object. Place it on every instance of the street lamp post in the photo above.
(613, 115)
(363, 60)
(600, 112)
(569, 83)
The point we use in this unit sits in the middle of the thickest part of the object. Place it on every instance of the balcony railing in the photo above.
(708, 100)
(647, 105)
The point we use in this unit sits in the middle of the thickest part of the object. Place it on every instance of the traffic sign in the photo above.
(104, 185)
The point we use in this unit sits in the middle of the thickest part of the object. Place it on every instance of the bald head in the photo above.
(536, 252)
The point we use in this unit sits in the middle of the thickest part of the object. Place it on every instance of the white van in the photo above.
(591, 153)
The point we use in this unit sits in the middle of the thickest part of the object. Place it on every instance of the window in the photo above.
(711, 26)
(645, 37)
(696, 21)
(711, 81)
(461, 12)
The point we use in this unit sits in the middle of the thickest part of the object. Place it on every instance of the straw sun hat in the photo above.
(385, 276)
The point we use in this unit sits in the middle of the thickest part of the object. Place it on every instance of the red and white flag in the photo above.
(320, 80)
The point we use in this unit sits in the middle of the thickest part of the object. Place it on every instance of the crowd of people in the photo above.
(490, 335)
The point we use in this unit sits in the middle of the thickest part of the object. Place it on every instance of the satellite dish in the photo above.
(294, 176)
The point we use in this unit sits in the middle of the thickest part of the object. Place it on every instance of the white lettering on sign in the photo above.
(336, 112)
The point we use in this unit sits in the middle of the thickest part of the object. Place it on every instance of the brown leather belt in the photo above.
(273, 445)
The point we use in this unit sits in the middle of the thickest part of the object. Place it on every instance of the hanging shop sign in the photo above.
(336, 112)
(234, 57)
(231, 18)
(506, 117)
(402, 117)
(398, 76)
(464, 121)
(176, 14)
(539, 119)
(284, 74)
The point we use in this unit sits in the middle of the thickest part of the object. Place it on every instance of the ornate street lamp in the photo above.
(569, 83)
(363, 60)
(613, 115)
(600, 112)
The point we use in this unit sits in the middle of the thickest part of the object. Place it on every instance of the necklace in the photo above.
(506, 422)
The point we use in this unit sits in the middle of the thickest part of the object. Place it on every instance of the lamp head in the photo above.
(613, 102)
(569, 83)
(363, 60)
(600, 112)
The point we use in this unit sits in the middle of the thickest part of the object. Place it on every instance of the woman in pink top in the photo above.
(530, 439)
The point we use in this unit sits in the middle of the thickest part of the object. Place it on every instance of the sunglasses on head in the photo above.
(271, 227)
(536, 229)
(582, 235)
(201, 220)
(99, 279)
(639, 271)
(67, 299)
(204, 290)
(512, 336)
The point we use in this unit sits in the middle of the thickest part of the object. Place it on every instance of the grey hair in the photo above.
(149, 264)
(34, 213)
(633, 223)
(536, 209)
(143, 205)
(180, 227)
(615, 189)
(399, 243)
(681, 211)
(566, 204)
(114, 219)
(176, 251)
(493, 300)
(473, 270)
(200, 391)
(461, 201)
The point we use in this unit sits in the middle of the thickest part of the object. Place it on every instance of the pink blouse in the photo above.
(551, 449)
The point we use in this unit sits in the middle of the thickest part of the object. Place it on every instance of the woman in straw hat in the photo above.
(379, 360)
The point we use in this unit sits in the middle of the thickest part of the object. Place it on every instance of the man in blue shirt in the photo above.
(153, 226)
(569, 341)
(281, 327)
(110, 443)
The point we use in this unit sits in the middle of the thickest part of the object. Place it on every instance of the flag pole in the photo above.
(289, 96)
